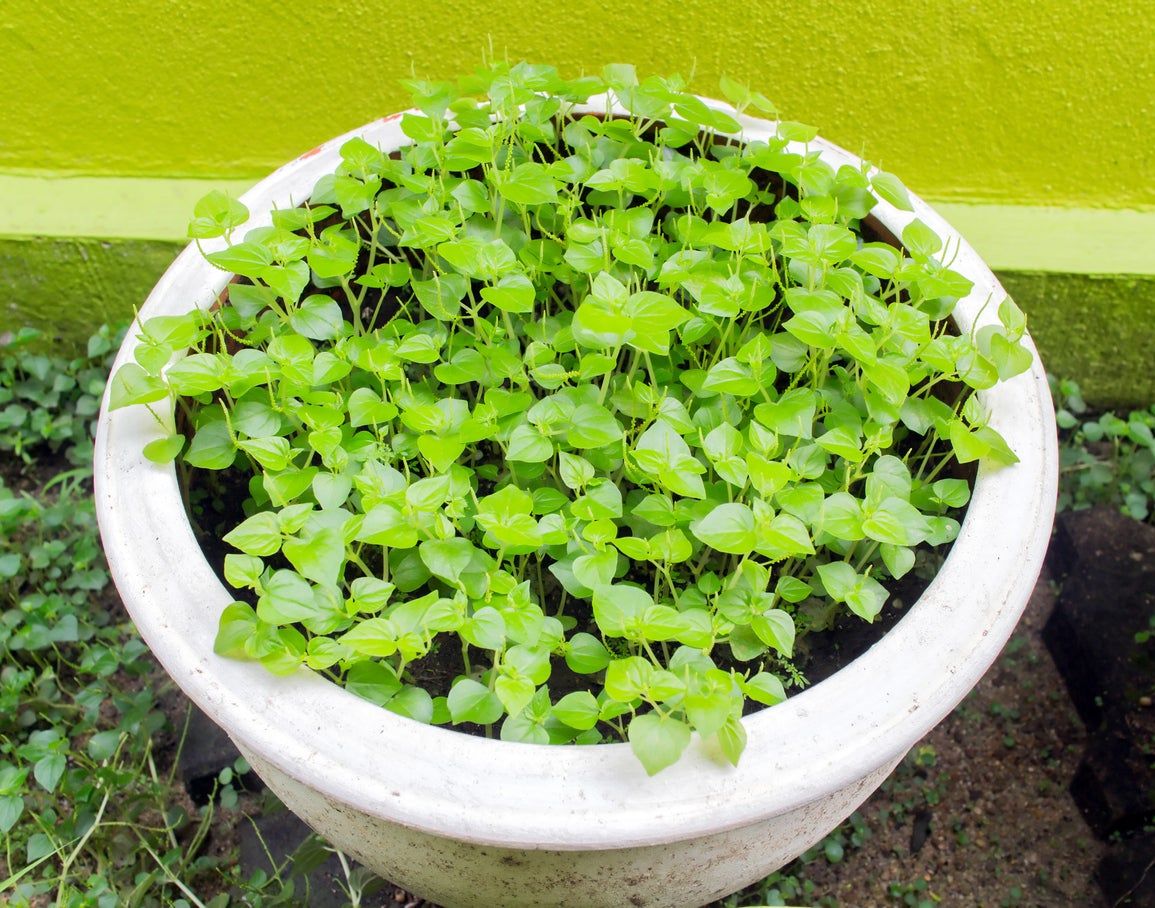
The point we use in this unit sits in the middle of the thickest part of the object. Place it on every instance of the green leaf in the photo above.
(597, 569)
(657, 509)
(513, 293)
(211, 448)
(164, 450)
(11, 807)
(214, 215)
(575, 471)
(195, 374)
(48, 770)
(577, 710)
(792, 414)
(373, 637)
(895, 521)
(775, 628)
(842, 441)
(865, 596)
(514, 692)
(696, 111)
(287, 281)
(888, 187)
(318, 555)
(731, 739)
(765, 688)
(628, 679)
(838, 578)
(246, 259)
(585, 654)
(658, 741)
(372, 681)
(889, 477)
(728, 528)
(132, 385)
(528, 184)
(318, 317)
(664, 455)
(287, 599)
(898, 560)
(841, 517)
(236, 627)
(785, 536)
(257, 535)
(920, 240)
(413, 703)
(729, 376)
(442, 295)
(1009, 357)
(527, 445)
(485, 629)
(593, 426)
(272, 453)
(384, 524)
(470, 701)
(618, 609)
(633, 547)
(447, 558)
(243, 571)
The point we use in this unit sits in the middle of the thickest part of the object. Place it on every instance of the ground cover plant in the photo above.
(85, 818)
(92, 811)
(591, 415)
(1105, 459)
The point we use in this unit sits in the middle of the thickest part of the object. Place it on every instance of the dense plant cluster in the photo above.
(75, 723)
(1104, 459)
(47, 402)
(619, 401)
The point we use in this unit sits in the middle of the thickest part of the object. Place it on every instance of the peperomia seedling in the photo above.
(603, 401)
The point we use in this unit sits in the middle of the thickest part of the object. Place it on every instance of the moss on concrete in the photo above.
(1099, 330)
(67, 287)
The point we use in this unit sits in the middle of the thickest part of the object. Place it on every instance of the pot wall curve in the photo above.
(680, 874)
(378, 785)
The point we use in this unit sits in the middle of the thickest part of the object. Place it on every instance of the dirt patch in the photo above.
(979, 814)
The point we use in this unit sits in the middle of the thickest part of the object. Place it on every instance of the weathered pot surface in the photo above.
(468, 821)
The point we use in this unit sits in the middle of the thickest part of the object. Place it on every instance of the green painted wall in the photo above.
(1030, 123)
(1000, 100)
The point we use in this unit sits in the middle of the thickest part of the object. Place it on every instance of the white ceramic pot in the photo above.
(467, 821)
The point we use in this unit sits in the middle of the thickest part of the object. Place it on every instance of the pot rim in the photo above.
(490, 792)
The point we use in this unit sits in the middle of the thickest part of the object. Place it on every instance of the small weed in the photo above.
(1106, 460)
(915, 894)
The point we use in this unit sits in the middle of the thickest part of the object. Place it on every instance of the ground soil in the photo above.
(1003, 830)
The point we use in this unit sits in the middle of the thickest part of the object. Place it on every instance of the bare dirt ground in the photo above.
(979, 813)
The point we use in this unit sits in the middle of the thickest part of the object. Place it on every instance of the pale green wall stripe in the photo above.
(115, 208)
(1009, 237)
(1065, 240)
